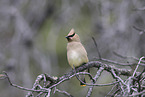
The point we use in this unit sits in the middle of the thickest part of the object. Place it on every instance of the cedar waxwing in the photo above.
(76, 53)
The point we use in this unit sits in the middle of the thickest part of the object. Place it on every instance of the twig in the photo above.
(63, 92)
(48, 93)
(136, 94)
(138, 29)
(111, 90)
(97, 47)
(142, 78)
(140, 9)
(67, 78)
(117, 63)
(137, 66)
(98, 73)
(126, 57)
(93, 82)
(117, 77)
(36, 84)
(121, 81)
(22, 88)
(113, 94)
(90, 91)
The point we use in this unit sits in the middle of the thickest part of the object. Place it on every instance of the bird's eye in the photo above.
(71, 35)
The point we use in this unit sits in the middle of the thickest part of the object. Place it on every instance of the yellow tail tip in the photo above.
(83, 85)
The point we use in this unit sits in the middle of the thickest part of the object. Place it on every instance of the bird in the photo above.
(76, 53)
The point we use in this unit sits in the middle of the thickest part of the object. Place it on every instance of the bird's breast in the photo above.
(76, 54)
(74, 58)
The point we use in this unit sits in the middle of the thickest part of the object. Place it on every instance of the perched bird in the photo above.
(76, 53)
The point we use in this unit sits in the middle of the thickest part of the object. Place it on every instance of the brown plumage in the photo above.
(76, 53)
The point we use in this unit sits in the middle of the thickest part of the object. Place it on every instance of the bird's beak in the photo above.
(67, 37)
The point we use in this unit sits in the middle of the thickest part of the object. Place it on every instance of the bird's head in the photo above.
(72, 36)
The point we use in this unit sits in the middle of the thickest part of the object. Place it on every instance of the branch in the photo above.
(138, 29)
(50, 82)
(137, 66)
(140, 9)
(22, 88)
(97, 47)
(136, 94)
(128, 57)
(37, 82)
(63, 92)
(111, 90)
(93, 82)
(117, 63)
(97, 64)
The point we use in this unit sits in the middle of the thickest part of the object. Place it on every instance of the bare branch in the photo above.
(128, 57)
(93, 82)
(97, 47)
(137, 66)
(140, 9)
(36, 84)
(121, 83)
(111, 90)
(117, 63)
(50, 83)
(136, 94)
(63, 92)
(22, 88)
(138, 29)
